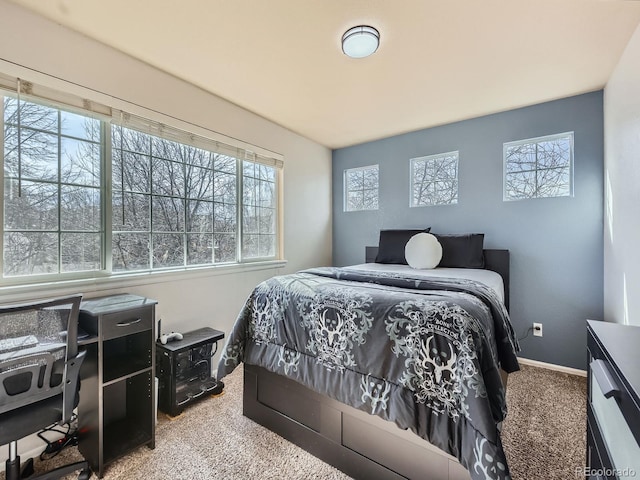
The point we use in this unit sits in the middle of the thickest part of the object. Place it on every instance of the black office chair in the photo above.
(39, 375)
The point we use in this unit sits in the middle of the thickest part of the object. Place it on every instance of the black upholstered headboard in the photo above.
(494, 260)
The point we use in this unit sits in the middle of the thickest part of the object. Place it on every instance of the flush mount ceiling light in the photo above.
(360, 42)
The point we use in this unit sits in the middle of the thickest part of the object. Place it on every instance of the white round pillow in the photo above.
(423, 251)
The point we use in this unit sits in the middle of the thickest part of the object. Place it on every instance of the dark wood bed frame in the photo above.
(361, 445)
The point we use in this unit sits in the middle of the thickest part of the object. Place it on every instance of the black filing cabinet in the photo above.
(184, 369)
(613, 408)
(116, 412)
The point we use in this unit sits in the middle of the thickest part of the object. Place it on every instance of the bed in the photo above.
(321, 379)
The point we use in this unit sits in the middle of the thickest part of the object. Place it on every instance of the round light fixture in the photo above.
(360, 42)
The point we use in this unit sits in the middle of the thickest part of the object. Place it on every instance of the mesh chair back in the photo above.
(39, 353)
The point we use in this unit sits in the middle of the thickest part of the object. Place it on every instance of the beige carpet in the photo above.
(544, 435)
(543, 438)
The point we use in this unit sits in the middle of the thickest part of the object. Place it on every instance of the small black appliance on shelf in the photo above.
(183, 368)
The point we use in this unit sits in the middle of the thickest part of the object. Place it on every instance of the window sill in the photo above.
(16, 293)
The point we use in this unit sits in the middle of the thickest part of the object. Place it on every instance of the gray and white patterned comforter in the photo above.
(424, 354)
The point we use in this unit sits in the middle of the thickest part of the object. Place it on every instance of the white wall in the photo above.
(41, 51)
(622, 188)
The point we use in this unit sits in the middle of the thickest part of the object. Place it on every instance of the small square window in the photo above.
(539, 167)
(434, 180)
(361, 188)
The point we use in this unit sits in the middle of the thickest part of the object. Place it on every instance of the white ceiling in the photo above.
(439, 60)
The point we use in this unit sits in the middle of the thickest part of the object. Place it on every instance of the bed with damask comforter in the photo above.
(422, 353)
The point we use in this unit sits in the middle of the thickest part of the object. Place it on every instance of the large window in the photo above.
(259, 210)
(434, 180)
(82, 196)
(361, 188)
(176, 204)
(52, 194)
(539, 167)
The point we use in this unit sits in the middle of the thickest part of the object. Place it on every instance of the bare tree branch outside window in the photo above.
(259, 210)
(540, 167)
(361, 188)
(52, 197)
(434, 180)
(173, 204)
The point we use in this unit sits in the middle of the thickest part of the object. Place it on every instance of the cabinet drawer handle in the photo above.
(604, 379)
(126, 324)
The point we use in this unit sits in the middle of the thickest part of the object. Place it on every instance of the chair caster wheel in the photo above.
(84, 474)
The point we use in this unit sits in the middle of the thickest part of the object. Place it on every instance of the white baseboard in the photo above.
(552, 366)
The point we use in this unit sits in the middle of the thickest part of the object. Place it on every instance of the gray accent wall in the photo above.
(556, 244)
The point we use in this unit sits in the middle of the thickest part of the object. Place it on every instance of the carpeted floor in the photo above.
(544, 437)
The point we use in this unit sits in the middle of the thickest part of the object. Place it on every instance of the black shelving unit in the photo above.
(183, 368)
(116, 412)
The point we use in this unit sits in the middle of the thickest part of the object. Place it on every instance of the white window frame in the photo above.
(346, 190)
(433, 158)
(67, 107)
(195, 136)
(535, 141)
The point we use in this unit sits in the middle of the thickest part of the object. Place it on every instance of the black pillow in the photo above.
(462, 251)
(391, 245)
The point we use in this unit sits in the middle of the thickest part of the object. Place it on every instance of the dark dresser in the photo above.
(613, 407)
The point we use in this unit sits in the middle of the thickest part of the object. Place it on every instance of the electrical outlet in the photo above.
(537, 329)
